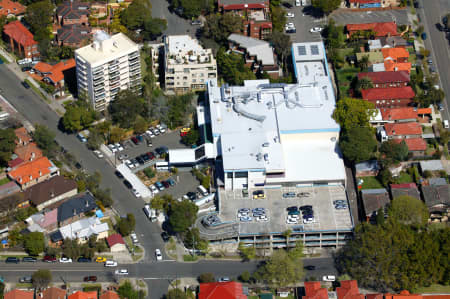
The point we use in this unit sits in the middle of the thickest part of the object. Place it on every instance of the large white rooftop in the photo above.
(105, 48)
(182, 44)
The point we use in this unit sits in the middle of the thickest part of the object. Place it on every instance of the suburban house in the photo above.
(374, 45)
(373, 200)
(8, 189)
(42, 222)
(349, 290)
(409, 189)
(431, 165)
(109, 295)
(399, 115)
(313, 290)
(116, 243)
(395, 54)
(83, 229)
(255, 14)
(393, 42)
(437, 198)
(19, 294)
(75, 208)
(19, 37)
(230, 289)
(51, 191)
(83, 295)
(403, 130)
(258, 54)
(11, 9)
(387, 79)
(22, 136)
(27, 153)
(391, 97)
(367, 168)
(374, 57)
(52, 293)
(380, 29)
(74, 36)
(417, 146)
(55, 74)
(72, 12)
(31, 173)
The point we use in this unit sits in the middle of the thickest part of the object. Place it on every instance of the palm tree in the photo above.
(287, 234)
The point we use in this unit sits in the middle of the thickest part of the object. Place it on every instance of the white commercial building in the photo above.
(187, 66)
(278, 134)
(108, 65)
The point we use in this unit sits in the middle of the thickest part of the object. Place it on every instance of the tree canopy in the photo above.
(126, 225)
(394, 152)
(281, 43)
(45, 140)
(358, 144)
(77, 118)
(219, 27)
(182, 215)
(7, 145)
(176, 293)
(125, 108)
(34, 243)
(39, 16)
(351, 113)
(409, 210)
(134, 16)
(126, 290)
(41, 278)
(326, 6)
(232, 69)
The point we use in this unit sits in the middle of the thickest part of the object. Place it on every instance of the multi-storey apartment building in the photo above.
(108, 65)
(187, 65)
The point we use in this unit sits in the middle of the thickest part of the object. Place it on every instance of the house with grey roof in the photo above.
(259, 55)
(367, 168)
(431, 165)
(83, 229)
(393, 42)
(437, 181)
(373, 200)
(75, 208)
(437, 198)
(409, 189)
(74, 35)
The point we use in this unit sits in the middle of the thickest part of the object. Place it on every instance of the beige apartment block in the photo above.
(105, 67)
(187, 66)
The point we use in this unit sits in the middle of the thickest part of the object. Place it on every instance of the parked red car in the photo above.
(151, 155)
(135, 140)
(49, 259)
(90, 278)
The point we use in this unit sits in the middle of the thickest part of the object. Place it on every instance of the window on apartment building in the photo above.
(184, 78)
(229, 175)
(201, 74)
(241, 174)
(194, 80)
(186, 70)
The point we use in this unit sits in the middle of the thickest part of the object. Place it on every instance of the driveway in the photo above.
(344, 16)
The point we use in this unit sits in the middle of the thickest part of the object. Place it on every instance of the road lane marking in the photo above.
(59, 270)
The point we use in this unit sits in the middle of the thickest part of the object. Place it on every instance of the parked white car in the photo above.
(153, 189)
(98, 154)
(291, 221)
(329, 278)
(315, 29)
(290, 15)
(118, 147)
(121, 272)
(110, 264)
(158, 255)
(136, 193)
(65, 260)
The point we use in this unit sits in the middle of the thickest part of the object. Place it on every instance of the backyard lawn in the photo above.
(344, 78)
(371, 182)
(403, 178)
(433, 289)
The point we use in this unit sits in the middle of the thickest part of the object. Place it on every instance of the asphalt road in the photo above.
(175, 24)
(431, 13)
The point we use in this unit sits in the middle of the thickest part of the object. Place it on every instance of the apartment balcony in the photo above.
(99, 88)
(133, 55)
(113, 68)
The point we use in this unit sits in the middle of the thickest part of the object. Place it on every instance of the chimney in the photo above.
(87, 203)
(74, 212)
(52, 193)
(31, 177)
(32, 156)
(40, 173)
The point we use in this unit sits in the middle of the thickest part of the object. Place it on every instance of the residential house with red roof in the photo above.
(398, 115)
(31, 173)
(387, 79)
(416, 146)
(403, 130)
(116, 243)
(109, 295)
(83, 295)
(313, 290)
(255, 14)
(409, 189)
(21, 39)
(11, 9)
(391, 97)
(53, 293)
(18, 294)
(221, 290)
(23, 138)
(55, 74)
(29, 152)
(349, 290)
(380, 29)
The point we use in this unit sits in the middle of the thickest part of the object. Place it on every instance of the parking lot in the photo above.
(326, 216)
(303, 22)
(343, 17)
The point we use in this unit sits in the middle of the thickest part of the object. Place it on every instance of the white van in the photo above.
(297, 2)
(150, 213)
(446, 124)
(162, 166)
(202, 190)
(303, 2)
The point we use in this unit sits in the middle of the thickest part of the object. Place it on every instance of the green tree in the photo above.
(179, 110)
(182, 215)
(192, 240)
(140, 125)
(41, 278)
(352, 113)
(247, 252)
(191, 138)
(125, 108)
(39, 16)
(176, 293)
(2, 289)
(95, 140)
(364, 83)
(281, 270)
(126, 290)
(231, 67)
(3, 20)
(206, 277)
(154, 27)
(71, 248)
(358, 144)
(278, 18)
(134, 16)
(126, 225)
(193, 8)
(394, 152)
(385, 177)
(157, 203)
(7, 145)
(380, 216)
(219, 27)
(34, 243)
(245, 276)
(281, 43)
(334, 35)
(408, 210)
(45, 140)
(77, 118)
(116, 134)
(363, 63)
(326, 6)
(104, 196)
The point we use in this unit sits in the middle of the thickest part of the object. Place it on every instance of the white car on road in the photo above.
(315, 29)
(158, 255)
(289, 25)
(65, 260)
(110, 264)
(98, 154)
(136, 193)
(121, 272)
(329, 278)
(290, 15)
(153, 189)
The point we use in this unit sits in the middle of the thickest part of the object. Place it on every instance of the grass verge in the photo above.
(189, 258)
(36, 90)
(433, 289)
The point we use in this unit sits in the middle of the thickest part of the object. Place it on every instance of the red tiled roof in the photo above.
(8, 7)
(386, 77)
(313, 290)
(14, 163)
(55, 72)
(28, 152)
(109, 295)
(405, 185)
(54, 293)
(380, 29)
(424, 111)
(349, 290)
(22, 135)
(19, 33)
(115, 239)
(243, 6)
(392, 66)
(365, 1)
(43, 67)
(401, 129)
(390, 93)
(395, 53)
(398, 113)
(414, 144)
(221, 290)
(83, 295)
(19, 294)
(31, 170)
